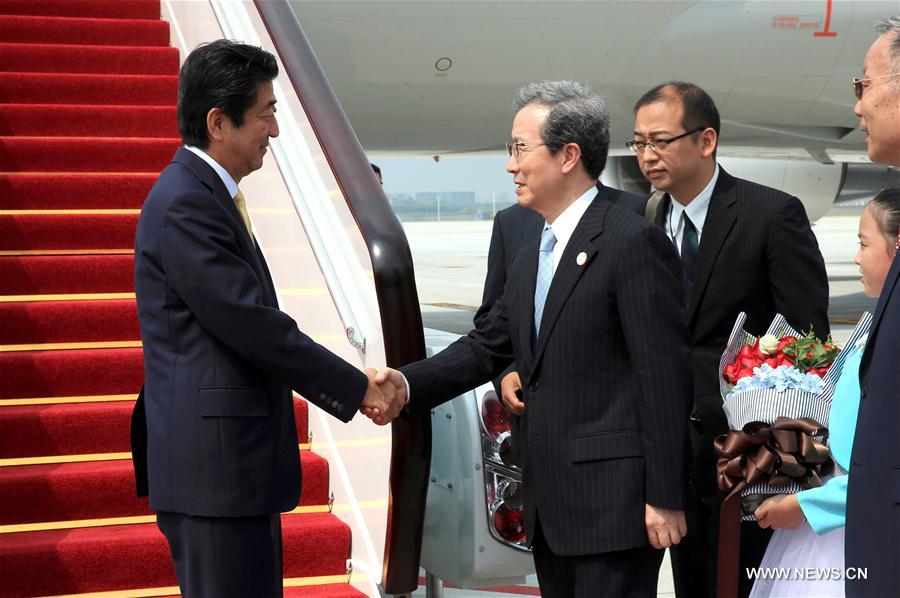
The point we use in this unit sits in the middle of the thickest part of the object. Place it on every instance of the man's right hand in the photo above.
(511, 392)
(382, 403)
(385, 396)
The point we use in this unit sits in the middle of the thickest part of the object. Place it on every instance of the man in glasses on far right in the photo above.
(873, 494)
(743, 247)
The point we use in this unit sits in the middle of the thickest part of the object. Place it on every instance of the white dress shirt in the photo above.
(565, 223)
(223, 174)
(696, 210)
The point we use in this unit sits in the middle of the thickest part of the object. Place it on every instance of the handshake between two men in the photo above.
(386, 395)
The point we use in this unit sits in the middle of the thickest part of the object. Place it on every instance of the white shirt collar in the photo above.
(696, 210)
(223, 174)
(565, 223)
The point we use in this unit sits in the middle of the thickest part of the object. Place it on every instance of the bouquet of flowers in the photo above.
(777, 393)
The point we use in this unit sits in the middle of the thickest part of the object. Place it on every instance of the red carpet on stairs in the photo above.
(87, 120)
(43, 275)
(73, 190)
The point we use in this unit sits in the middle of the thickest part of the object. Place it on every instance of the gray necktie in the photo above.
(544, 276)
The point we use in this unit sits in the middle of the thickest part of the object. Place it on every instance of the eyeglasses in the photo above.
(515, 148)
(860, 85)
(657, 145)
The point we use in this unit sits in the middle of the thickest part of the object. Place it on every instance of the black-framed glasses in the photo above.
(657, 145)
(515, 148)
(860, 85)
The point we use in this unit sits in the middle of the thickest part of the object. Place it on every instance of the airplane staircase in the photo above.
(87, 121)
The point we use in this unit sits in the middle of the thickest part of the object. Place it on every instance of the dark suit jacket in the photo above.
(758, 255)
(607, 388)
(220, 358)
(514, 227)
(873, 495)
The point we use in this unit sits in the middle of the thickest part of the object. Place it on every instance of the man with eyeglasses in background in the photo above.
(873, 494)
(743, 247)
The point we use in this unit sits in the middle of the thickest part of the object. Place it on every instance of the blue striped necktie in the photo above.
(544, 276)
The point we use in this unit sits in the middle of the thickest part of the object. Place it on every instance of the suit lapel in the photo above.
(720, 219)
(569, 272)
(252, 255)
(890, 287)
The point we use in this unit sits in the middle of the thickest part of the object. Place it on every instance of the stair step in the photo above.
(50, 88)
(82, 428)
(87, 31)
(130, 9)
(83, 372)
(86, 154)
(66, 231)
(82, 121)
(104, 489)
(44, 275)
(38, 322)
(56, 58)
(113, 558)
(74, 191)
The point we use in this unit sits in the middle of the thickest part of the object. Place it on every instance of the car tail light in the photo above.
(509, 524)
(505, 504)
(495, 429)
(494, 416)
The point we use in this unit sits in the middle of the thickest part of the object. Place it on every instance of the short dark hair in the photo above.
(887, 212)
(222, 74)
(699, 108)
(577, 114)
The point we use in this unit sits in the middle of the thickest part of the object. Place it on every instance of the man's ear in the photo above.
(708, 142)
(216, 122)
(571, 156)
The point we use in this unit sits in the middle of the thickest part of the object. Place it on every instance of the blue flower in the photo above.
(782, 378)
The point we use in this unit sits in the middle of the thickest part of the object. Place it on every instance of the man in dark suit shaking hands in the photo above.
(593, 315)
(214, 434)
(744, 247)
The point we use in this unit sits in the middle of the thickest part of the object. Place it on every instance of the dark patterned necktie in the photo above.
(689, 245)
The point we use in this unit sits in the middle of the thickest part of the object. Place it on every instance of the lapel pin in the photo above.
(581, 259)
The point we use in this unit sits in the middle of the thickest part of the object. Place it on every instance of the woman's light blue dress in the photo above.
(817, 546)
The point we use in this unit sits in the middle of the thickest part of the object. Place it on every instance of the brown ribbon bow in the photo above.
(775, 454)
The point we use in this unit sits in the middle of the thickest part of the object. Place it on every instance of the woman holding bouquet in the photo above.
(810, 524)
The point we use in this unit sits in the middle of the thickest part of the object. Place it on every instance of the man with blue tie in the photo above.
(593, 315)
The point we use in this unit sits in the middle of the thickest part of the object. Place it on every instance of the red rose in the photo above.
(744, 373)
(785, 341)
(772, 362)
(730, 372)
(759, 353)
(748, 362)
